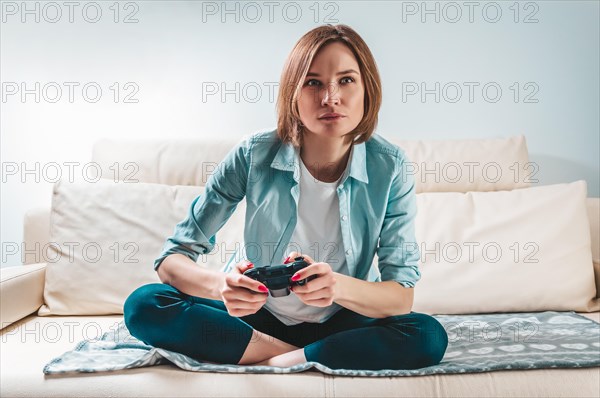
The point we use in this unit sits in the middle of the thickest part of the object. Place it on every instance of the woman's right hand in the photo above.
(243, 295)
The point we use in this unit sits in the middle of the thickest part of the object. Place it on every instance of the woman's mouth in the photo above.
(331, 118)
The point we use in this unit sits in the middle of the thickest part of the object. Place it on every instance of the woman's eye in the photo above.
(347, 78)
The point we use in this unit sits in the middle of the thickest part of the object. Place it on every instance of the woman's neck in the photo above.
(325, 158)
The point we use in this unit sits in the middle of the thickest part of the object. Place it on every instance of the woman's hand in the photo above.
(319, 292)
(243, 295)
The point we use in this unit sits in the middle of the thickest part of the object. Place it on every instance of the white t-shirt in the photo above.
(317, 234)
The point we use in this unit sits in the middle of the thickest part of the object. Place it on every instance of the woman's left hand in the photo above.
(319, 292)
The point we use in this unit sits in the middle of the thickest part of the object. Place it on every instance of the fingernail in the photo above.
(295, 277)
(263, 289)
(286, 260)
(250, 265)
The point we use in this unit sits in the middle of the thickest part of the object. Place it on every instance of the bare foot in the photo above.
(284, 360)
(262, 347)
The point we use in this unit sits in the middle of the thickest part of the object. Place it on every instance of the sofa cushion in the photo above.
(105, 237)
(491, 164)
(508, 251)
(593, 208)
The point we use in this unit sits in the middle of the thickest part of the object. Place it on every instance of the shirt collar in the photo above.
(287, 159)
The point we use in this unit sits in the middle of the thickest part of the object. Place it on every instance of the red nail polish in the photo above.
(295, 277)
(286, 260)
(263, 289)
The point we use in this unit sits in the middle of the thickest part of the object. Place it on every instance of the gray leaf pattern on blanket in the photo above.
(477, 343)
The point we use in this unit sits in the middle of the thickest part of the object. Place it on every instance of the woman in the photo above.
(321, 179)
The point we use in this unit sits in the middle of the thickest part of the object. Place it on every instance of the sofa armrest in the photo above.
(593, 208)
(36, 234)
(21, 291)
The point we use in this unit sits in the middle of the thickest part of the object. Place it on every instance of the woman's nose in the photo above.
(331, 95)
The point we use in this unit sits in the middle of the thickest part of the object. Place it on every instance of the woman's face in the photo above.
(333, 85)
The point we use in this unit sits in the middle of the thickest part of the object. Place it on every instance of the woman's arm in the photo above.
(373, 299)
(398, 254)
(398, 250)
(188, 277)
(196, 234)
(209, 211)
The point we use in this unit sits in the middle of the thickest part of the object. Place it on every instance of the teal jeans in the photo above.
(162, 316)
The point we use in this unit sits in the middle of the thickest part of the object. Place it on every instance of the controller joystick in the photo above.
(278, 278)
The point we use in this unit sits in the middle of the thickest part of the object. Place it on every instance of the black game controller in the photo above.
(277, 278)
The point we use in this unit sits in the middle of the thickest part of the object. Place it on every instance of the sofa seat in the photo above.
(27, 345)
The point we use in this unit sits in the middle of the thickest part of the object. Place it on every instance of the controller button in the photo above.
(349, 251)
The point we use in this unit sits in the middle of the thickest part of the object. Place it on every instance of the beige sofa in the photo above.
(29, 340)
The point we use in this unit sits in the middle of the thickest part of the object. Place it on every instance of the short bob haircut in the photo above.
(289, 126)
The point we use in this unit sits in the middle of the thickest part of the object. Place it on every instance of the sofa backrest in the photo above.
(492, 164)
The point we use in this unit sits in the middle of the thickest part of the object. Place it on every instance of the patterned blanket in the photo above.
(477, 343)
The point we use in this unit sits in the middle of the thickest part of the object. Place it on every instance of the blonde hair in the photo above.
(289, 127)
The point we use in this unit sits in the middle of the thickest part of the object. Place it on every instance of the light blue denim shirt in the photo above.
(377, 204)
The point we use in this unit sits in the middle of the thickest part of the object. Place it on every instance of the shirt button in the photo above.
(349, 251)
(344, 218)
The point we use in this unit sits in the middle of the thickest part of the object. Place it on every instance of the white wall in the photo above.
(177, 48)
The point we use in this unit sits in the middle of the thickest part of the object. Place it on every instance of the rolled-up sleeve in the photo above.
(398, 250)
(209, 211)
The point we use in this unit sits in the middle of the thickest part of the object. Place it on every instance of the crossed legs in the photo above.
(162, 316)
